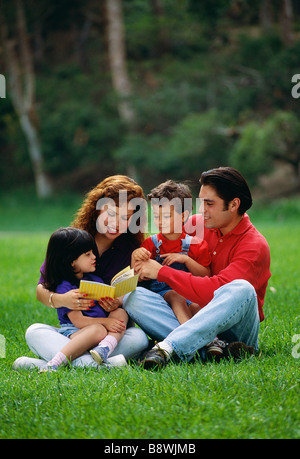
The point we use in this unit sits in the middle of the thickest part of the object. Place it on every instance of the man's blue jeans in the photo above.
(232, 315)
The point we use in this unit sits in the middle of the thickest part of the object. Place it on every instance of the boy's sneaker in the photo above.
(238, 351)
(215, 349)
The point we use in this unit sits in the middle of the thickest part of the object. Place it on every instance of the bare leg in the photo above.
(106, 346)
(194, 308)
(179, 306)
(120, 314)
(84, 339)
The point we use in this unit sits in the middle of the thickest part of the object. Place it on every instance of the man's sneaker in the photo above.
(238, 350)
(155, 359)
(215, 349)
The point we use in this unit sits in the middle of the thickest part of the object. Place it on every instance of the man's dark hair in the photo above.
(229, 184)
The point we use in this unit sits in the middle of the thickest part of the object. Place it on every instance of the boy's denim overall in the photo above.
(161, 287)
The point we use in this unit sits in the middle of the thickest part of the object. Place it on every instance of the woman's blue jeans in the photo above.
(232, 315)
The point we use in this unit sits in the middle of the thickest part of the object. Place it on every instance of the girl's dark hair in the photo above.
(229, 184)
(64, 246)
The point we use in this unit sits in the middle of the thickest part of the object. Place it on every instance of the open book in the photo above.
(123, 282)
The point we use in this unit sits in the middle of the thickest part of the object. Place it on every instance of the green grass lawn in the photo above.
(256, 398)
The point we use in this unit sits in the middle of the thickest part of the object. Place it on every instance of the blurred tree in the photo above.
(118, 68)
(286, 19)
(22, 89)
(266, 14)
(117, 60)
(261, 144)
(158, 10)
(200, 141)
(106, 107)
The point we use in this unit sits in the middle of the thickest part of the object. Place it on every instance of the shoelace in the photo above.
(218, 342)
(161, 352)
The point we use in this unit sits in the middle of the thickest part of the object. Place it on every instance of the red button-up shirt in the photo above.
(243, 253)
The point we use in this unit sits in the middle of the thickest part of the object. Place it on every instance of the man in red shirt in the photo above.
(231, 300)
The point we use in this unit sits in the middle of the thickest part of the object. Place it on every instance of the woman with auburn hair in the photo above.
(110, 188)
(113, 213)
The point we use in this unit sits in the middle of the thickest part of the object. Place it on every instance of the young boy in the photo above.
(172, 204)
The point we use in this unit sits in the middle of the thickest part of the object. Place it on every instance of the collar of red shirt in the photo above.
(160, 236)
(240, 228)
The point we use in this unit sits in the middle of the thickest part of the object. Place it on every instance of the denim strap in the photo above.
(156, 242)
(185, 247)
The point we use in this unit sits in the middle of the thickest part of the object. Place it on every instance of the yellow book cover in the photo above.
(123, 282)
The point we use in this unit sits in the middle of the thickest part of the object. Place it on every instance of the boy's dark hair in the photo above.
(229, 184)
(64, 246)
(180, 193)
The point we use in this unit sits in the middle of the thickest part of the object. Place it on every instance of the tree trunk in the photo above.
(287, 22)
(163, 42)
(117, 60)
(118, 68)
(42, 182)
(266, 14)
(22, 88)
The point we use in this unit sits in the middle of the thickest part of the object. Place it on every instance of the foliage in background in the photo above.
(209, 81)
(261, 143)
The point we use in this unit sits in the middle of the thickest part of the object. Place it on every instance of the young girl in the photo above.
(71, 257)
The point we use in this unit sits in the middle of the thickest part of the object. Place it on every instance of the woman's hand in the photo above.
(73, 299)
(110, 304)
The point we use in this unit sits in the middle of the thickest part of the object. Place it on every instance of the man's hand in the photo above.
(147, 269)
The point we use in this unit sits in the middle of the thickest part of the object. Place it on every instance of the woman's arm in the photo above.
(72, 299)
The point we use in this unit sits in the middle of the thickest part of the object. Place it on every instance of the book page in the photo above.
(126, 286)
(120, 275)
(123, 275)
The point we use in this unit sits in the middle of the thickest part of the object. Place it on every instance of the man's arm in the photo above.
(250, 262)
